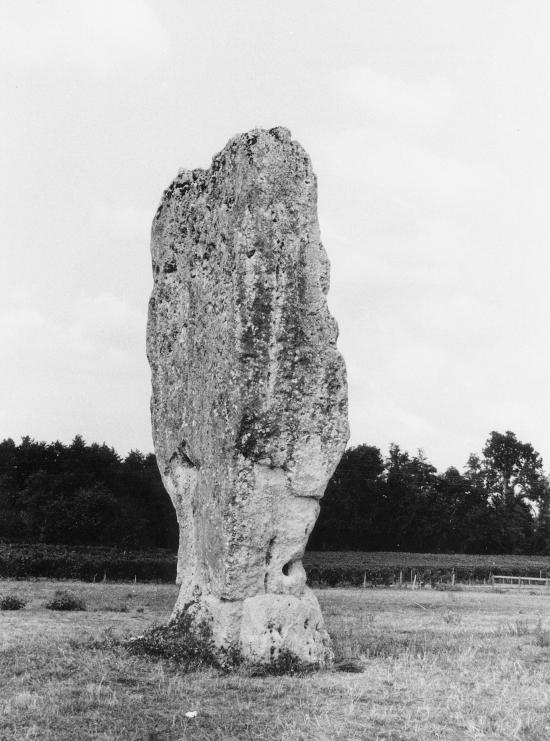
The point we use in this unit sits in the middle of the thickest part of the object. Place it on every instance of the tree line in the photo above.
(80, 494)
(498, 504)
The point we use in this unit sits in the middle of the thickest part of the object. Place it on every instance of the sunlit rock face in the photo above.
(249, 401)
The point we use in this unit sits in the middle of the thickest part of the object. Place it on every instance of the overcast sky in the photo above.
(428, 124)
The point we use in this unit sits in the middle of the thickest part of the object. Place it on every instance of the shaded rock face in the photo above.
(249, 402)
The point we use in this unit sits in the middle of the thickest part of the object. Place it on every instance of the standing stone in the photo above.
(249, 401)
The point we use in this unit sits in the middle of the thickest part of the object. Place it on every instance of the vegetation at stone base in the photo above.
(191, 647)
(438, 665)
(80, 494)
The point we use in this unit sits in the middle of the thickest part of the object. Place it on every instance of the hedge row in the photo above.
(146, 570)
(86, 567)
(426, 561)
(89, 564)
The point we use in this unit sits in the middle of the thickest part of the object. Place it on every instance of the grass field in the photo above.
(453, 665)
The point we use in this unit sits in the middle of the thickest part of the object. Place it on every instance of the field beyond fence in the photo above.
(324, 568)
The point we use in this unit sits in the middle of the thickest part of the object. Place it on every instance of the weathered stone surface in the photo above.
(249, 403)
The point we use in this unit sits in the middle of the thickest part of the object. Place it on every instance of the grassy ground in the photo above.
(451, 665)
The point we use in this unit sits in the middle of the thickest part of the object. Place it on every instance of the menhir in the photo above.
(249, 401)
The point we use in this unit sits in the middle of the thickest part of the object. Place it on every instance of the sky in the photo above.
(427, 123)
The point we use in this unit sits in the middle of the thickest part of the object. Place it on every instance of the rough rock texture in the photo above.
(249, 403)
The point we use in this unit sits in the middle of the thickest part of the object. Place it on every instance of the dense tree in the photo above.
(83, 494)
(465, 518)
(87, 494)
(542, 537)
(411, 491)
(512, 470)
(509, 473)
(501, 503)
(349, 510)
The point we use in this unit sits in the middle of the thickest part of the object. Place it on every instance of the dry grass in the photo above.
(438, 665)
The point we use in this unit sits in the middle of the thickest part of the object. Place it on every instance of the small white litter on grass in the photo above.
(192, 714)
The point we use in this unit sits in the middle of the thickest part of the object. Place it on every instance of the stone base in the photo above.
(268, 625)
(275, 623)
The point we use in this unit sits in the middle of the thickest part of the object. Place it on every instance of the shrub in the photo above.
(66, 601)
(187, 642)
(11, 602)
(85, 563)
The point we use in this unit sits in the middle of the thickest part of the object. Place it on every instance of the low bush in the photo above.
(182, 640)
(189, 643)
(63, 600)
(11, 602)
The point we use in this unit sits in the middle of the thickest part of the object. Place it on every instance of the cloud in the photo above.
(122, 220)
(364, 90)
(84, 371)
(375, 160)
(109, 320)
(100, 335)
(101, 37)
